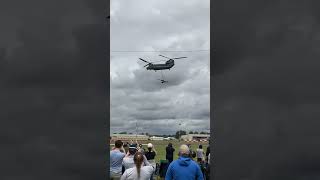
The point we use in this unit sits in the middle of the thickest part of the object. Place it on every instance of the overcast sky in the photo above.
(136, 94)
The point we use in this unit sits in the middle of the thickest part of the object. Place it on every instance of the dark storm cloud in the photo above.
(52, 90)
(153, 116)
(266, 90)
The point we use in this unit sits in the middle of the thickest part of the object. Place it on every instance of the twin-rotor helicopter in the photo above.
(164, 66)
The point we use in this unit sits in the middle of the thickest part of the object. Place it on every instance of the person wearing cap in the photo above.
(184, 168)
(128, 161)
(150, 155)
(116, 157)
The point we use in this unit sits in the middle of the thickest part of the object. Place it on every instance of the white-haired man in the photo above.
(184, 168)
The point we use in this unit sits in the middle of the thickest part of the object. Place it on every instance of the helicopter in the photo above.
(167, 65)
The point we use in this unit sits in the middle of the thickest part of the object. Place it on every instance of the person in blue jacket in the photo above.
(184, 168)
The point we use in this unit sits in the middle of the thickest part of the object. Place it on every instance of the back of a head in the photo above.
(184, 150)
(138, 160)
(170, 144)
(200, 146)
(132, 149)
(118, 143)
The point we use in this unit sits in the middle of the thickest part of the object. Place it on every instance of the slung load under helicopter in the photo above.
(162, 80)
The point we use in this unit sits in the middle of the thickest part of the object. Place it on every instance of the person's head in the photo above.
(138, 160)
(132, 149)
(200, 146)
(140, 145)
(150, 146)
(118, 144)
(184, 151)
(170, 145)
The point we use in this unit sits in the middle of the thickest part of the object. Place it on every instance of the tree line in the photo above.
(177, 135)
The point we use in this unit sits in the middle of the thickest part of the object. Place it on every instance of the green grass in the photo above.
(160, 147)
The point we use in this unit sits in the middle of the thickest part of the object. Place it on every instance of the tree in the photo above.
(203, 132)
(191, 132)
(123, 133)
(180, 133)
(196, 132)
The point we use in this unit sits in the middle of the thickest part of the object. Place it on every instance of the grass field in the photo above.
(160, 147)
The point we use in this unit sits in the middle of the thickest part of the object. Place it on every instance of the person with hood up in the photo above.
(184, 168)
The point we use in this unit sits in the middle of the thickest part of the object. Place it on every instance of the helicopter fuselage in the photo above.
(168, 65)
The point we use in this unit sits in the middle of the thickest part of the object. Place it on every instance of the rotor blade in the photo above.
(164, 56)
(146, 65)
(144, 60)
(179, 58)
